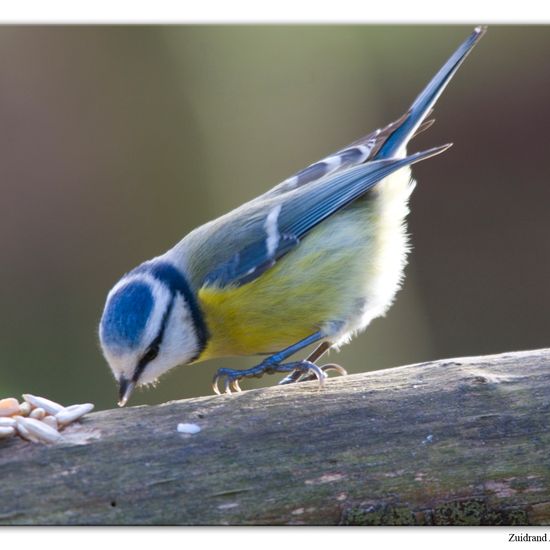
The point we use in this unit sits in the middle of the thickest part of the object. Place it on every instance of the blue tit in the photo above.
(313, 260)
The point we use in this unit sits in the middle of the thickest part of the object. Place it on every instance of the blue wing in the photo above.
(313, 194)
(287, 220)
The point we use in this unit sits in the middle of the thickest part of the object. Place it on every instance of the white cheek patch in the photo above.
(180, 343)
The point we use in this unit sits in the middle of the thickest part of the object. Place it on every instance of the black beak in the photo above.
(125, 389)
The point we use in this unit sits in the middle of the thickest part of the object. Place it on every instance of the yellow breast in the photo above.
(266, 315)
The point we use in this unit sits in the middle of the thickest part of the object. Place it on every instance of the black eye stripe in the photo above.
(151, 352)
(153, 348)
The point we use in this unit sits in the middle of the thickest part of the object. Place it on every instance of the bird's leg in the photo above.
(271, 365)
(232, 377)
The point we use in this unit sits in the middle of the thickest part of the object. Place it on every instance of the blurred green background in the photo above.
(116, 141)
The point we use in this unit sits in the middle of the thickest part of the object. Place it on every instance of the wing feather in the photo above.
(299, 212)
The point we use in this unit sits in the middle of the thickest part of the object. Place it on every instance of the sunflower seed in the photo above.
(51, 421)
(72, 413)
(75, 407)
(51, 407)
(9, 406)
(188, 428)
(22, 431)
(39, 413)
(7, 422)
(39, 430)
(25, 408)
(6, 431)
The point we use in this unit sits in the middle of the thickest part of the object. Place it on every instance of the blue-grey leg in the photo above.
(271, 365)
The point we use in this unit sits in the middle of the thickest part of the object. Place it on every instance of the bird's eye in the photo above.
(151, 353)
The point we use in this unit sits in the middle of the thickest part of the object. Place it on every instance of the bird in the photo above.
(311, 261)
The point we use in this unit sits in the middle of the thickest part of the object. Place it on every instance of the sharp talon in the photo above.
(300, 376)
(215, 385)
(325, 368)
(318, 373)
(229, 380)
(234, 385)
(333, 366)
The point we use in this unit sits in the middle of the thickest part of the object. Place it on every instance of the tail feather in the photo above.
(385, 142)
(423, 104)
(424, 126)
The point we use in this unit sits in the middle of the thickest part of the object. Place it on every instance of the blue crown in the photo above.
(126, 315)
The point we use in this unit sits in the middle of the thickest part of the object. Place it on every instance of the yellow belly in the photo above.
(272, 312)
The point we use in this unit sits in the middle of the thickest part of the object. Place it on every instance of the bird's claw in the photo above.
(298, 376)
(334, 367)
(230, 381)
(234, 386)
(230, 378)
(315, 372)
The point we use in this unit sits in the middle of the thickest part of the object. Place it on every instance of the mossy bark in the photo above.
(455, 442)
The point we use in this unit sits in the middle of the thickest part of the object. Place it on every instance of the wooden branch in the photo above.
(460, 441)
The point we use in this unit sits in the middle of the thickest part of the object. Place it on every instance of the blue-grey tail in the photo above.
(423, 104)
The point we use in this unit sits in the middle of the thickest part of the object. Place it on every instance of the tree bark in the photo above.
(458, 441)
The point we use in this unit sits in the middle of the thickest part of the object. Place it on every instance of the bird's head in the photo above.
(150, 324)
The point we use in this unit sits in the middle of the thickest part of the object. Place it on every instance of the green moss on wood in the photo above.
(460, 512)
